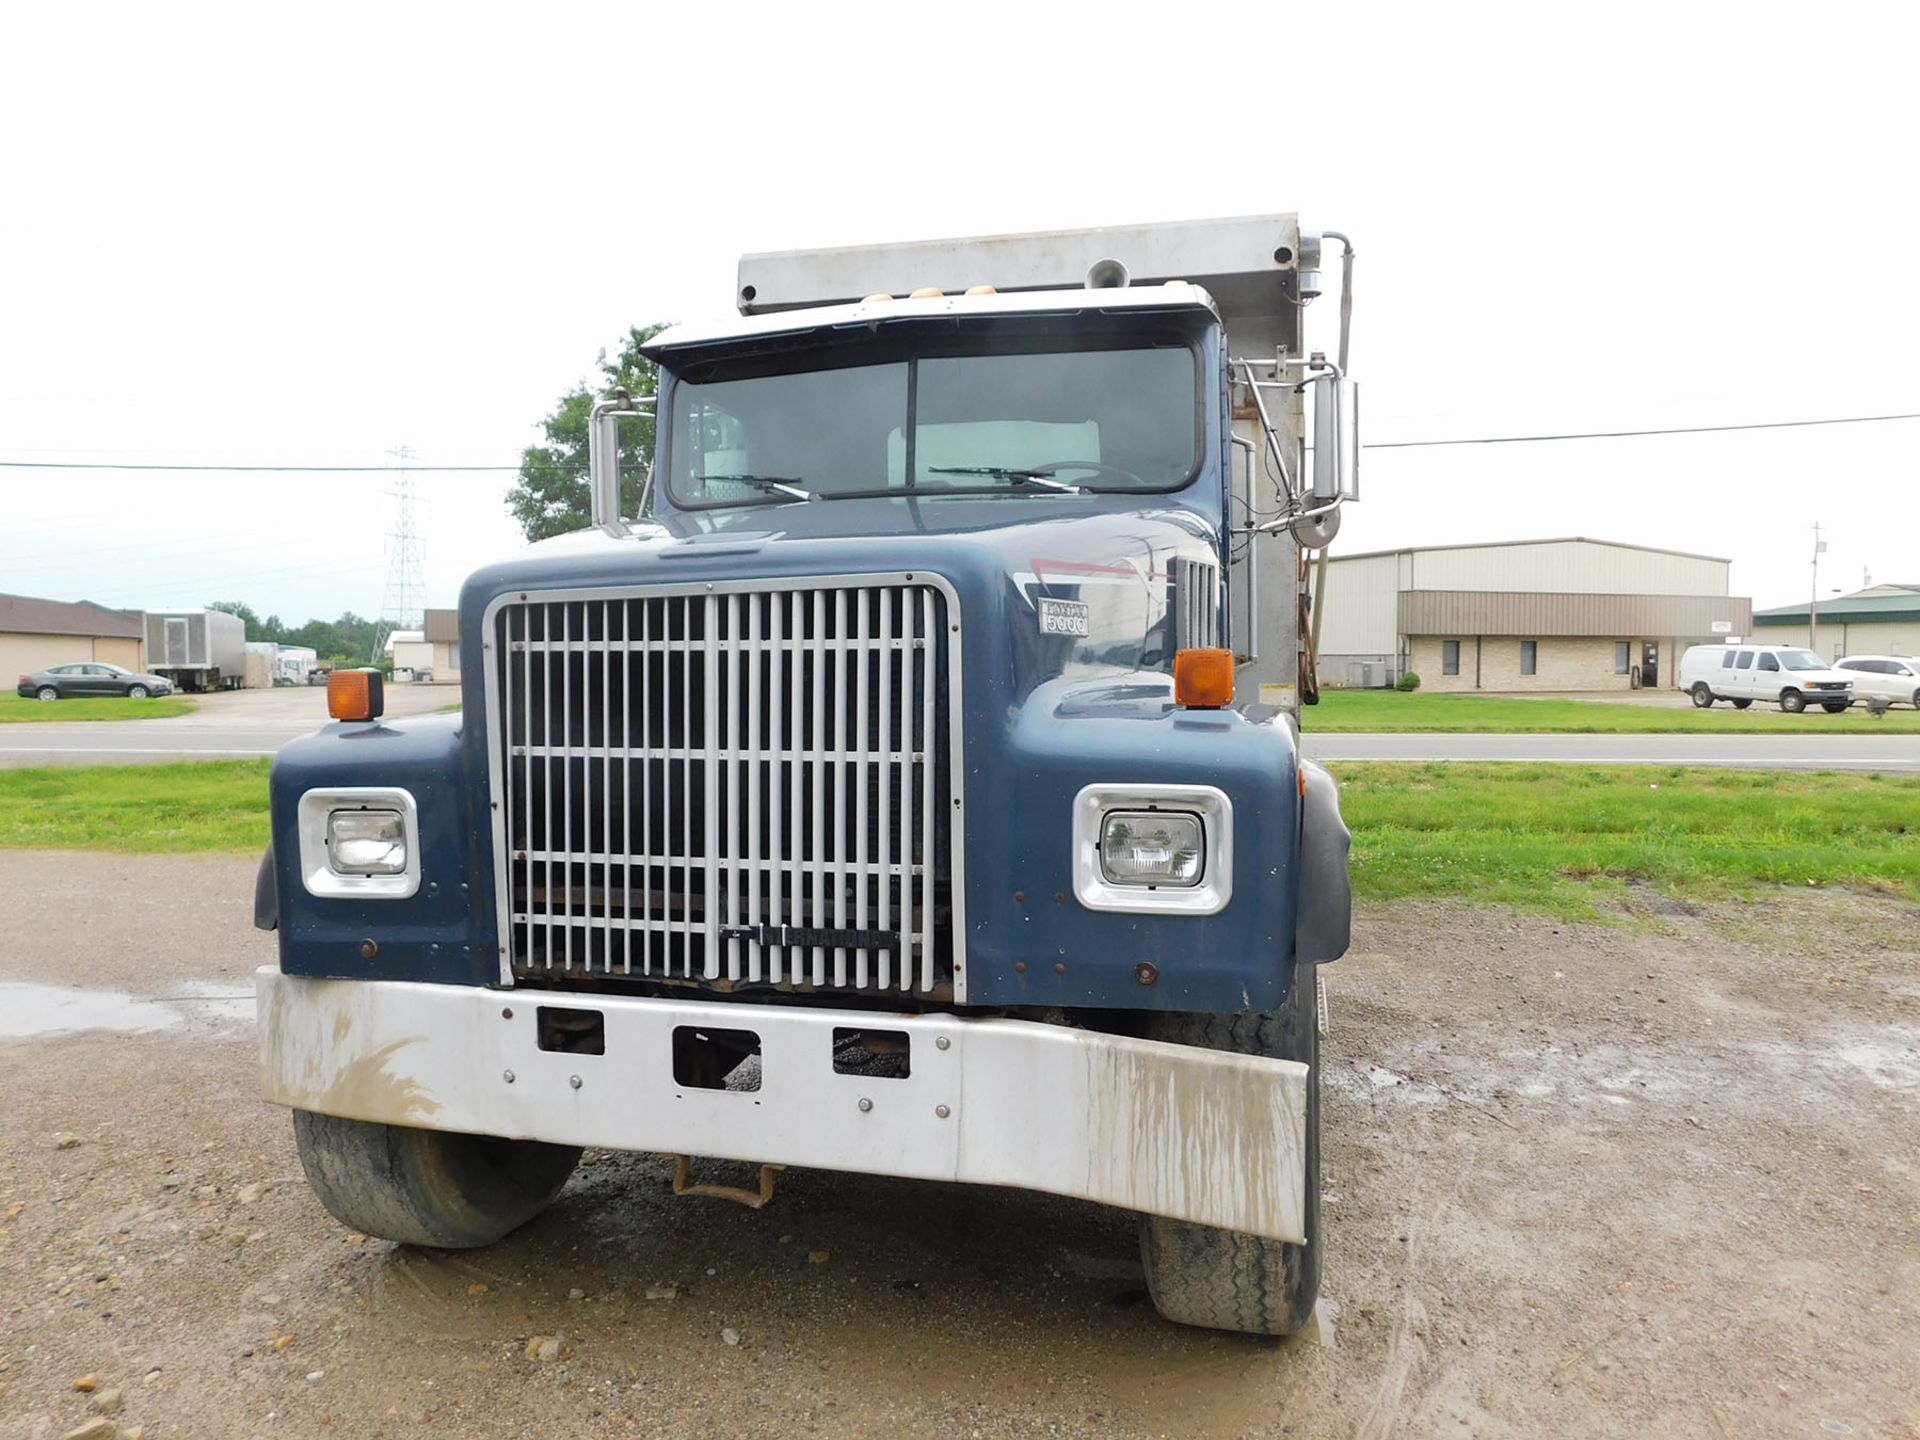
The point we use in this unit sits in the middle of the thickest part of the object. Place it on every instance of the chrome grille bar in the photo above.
(773, 769)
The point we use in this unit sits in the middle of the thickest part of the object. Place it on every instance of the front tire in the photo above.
(47, 693)
(1222, 1279)
(428, 1187)
(1792, 701)
(1703, 697)
(136, 692)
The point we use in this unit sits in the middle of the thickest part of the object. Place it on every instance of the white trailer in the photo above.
(197, 649)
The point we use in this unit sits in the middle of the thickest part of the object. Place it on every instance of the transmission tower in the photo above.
(406, 583)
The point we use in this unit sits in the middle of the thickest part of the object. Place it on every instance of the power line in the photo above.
(1365, 445)
(248, 469)
(1627, 434)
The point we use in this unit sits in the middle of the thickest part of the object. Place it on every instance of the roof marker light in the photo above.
(927, 292)
(981, 290)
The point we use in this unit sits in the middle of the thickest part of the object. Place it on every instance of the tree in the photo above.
(257, 629)
(551, 497)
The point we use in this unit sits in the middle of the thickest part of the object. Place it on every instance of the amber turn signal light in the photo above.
(1203, 679)
(356, 694)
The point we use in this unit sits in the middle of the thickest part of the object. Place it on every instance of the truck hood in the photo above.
(1108, 561)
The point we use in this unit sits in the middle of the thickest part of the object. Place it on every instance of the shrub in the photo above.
(1407, 682)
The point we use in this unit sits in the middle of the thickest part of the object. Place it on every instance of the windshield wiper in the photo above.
(781, 484)
(1004, 472)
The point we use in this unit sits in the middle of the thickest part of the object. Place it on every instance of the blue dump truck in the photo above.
(904, 781)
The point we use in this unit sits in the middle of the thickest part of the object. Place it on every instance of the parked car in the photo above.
(67, 682)
(1892, 677)
(1787, 674)
(317, 674)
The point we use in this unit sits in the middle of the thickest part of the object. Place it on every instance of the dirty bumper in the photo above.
(1165, 1129)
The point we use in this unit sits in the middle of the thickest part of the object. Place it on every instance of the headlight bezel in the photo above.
(315, 814)
(1208, 804)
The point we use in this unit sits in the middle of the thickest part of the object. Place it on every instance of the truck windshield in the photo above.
(1801, 660)
(1037, 422)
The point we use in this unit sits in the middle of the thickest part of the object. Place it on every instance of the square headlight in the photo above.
(1152, 847)
(367, 842)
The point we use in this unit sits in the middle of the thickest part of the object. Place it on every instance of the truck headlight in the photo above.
(360, 842)
(367, 842)
(1152, 847)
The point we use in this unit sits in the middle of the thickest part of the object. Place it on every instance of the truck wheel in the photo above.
(1741, 704)
(1834, 707)
(1221, 1279)
(428, 1187)
(1703, 697)
(1792, 701)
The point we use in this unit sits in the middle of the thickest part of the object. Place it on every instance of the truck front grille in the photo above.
(730, 785)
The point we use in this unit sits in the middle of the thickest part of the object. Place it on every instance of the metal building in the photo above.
(1880, 620)
(1566, 614)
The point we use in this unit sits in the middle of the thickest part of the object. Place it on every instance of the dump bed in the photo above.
(1251, 265)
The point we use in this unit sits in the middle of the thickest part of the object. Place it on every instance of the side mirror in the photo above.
(1336, 438)
(603, 454)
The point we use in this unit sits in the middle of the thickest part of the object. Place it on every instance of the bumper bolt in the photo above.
(507, 1014)
(865, 1104)
(942, 1111)
(508, 1077)
(574, 1081)
(369, 949)
(942, 1043)
(1146, 972)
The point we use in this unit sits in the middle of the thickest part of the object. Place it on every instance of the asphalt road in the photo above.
(1885, 753)
(258, 722)
(237, 725)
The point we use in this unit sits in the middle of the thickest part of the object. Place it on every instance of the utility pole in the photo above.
(1813, 604)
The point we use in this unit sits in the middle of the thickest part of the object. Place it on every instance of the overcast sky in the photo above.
(265, 234)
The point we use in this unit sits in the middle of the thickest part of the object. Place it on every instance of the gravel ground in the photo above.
(1650, 1178)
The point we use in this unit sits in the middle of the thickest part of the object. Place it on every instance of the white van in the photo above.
(1893, 677)
(1787, 674)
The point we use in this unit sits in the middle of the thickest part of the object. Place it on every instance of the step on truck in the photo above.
(901, 774)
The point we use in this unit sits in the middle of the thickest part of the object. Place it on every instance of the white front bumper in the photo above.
(1166, 1129)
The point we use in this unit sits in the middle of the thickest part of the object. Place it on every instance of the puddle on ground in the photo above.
(32, 1011)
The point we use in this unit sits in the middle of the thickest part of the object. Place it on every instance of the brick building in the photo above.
(37, 633)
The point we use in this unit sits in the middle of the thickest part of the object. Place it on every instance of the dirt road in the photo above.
(1594, 1180)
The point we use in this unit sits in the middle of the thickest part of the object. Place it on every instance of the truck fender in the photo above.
(266, 895)
(1323, 923)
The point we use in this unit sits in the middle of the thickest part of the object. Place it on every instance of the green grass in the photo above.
(162, 809)
(24, 709)
(1568, 838)
(1389, 710)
